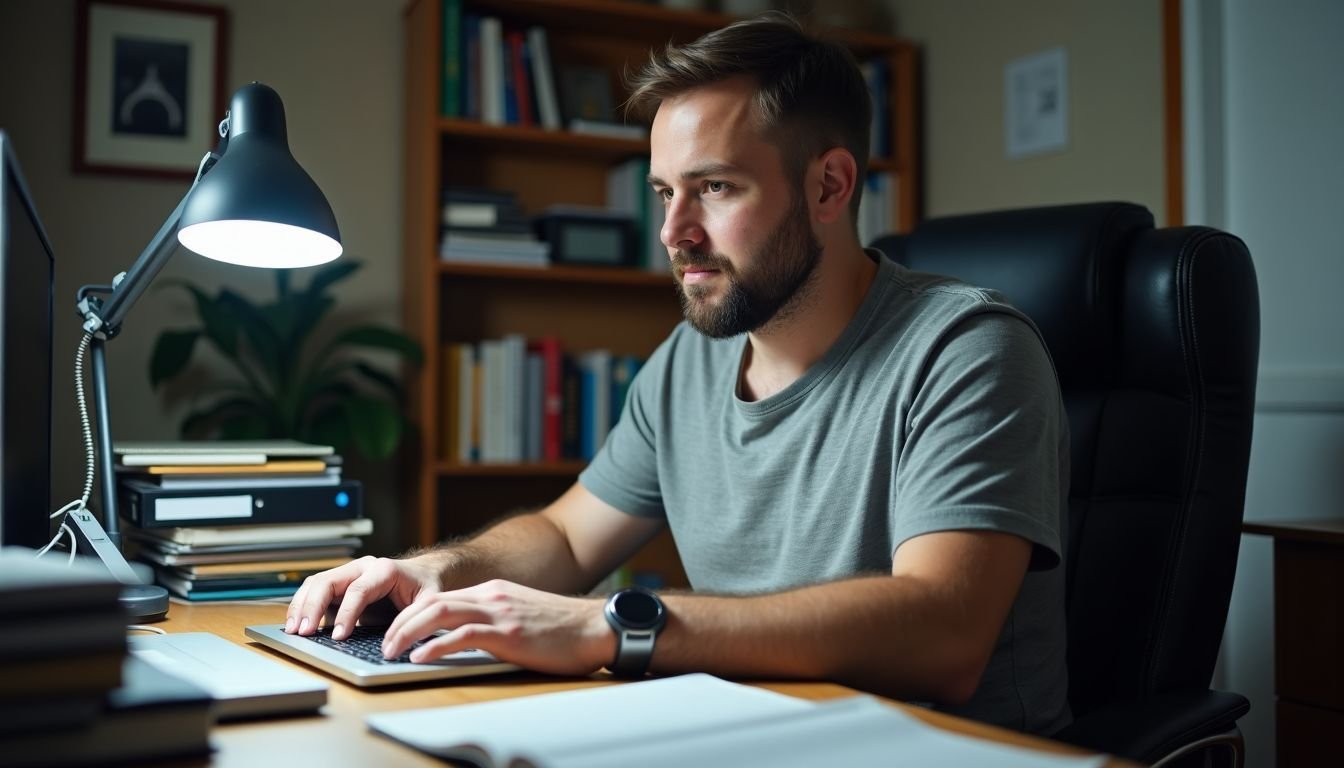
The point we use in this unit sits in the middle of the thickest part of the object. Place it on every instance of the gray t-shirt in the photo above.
(936, 409)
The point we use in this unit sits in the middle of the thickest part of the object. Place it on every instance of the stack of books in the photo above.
(487, 226)
(513, 399)
(224, 520)
(69, 693)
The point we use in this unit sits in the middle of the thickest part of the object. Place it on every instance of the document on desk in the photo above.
(692, 720)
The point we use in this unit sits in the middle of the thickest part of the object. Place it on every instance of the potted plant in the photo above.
(287, 386)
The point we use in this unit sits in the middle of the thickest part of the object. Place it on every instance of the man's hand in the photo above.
(356, 585)
(534, 629)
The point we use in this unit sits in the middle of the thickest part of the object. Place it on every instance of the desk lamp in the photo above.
(251, 204)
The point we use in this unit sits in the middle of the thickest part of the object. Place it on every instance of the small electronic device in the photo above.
(588, 236)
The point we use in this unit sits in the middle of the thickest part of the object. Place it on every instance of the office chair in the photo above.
(1155, 335)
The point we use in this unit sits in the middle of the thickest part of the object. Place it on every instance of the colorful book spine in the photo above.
(548, 103)
(521, 80)
(451, 105)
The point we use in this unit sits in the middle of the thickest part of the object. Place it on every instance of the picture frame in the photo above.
(149, 86)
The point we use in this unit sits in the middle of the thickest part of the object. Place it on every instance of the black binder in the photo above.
(151, 506)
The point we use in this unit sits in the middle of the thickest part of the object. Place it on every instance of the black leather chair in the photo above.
(1155, 335)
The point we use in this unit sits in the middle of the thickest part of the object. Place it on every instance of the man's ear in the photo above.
(838, 173)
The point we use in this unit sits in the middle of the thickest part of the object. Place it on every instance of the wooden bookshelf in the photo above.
(624, 310)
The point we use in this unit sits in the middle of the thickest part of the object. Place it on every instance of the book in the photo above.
(492, 70)
(543, 79)
(696, 720)
(31, 585)
(551, 352)
(193, 481)
(258, 567)
(145, 542)
(451, 99)
(258, 534)
(273, 585)
(160, 464)
(471, 66)
(65, 673)
(151, 716)
(183, 451)
(149, 553)
(476, 248)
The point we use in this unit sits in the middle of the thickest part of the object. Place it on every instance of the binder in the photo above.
(152, 506)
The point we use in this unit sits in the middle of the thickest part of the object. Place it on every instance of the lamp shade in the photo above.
(256, 206)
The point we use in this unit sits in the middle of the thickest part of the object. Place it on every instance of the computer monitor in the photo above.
(27, 276)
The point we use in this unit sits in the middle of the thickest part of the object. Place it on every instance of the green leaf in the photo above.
(219, 323)
(330, 275)
(329, 426)
(172, 352)
(260, 334)
(375, 425)
(377, 337)
(305, 313)
(380, 378)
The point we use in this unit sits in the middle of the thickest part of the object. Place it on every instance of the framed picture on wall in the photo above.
(149, 86)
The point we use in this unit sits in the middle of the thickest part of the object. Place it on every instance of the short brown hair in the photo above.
(810, 94)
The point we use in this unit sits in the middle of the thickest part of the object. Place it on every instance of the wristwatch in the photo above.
(637, 615)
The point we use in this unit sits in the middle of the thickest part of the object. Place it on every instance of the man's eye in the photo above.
(716, 186)
(665, 194)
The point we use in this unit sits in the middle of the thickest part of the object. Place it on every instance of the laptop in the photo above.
(358, 660)
(242, 682)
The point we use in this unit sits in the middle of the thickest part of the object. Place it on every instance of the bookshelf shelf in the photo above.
(625, 311)
(518, 138)
(583, 275)
(545, 469)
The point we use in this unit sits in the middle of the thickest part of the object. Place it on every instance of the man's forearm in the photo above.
(885, 634)
(526, 549)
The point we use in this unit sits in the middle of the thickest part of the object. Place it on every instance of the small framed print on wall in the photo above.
(149, 86)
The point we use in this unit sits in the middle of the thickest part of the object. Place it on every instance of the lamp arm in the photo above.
(103, 318)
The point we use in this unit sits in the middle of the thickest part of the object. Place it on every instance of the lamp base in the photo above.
(144, 602)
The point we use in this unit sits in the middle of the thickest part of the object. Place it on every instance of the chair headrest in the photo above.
(1049, 262)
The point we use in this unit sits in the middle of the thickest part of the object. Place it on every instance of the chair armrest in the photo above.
(1150, 729)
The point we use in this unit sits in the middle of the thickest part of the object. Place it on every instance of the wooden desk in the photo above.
(338, 735)
(1308, 638)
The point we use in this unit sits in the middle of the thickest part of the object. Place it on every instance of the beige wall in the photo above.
(1115, 146)
(337, 66)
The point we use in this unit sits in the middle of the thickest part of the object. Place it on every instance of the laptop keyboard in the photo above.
(364, 643)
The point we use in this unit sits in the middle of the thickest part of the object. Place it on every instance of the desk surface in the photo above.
(338, 735)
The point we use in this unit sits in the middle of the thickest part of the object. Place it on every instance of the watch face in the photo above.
(637, 609)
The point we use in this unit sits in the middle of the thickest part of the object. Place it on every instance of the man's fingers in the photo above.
(421, 619)
(310, 603)
(479, 636)
(371, 586)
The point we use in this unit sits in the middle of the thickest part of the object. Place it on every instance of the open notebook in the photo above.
(696, 720)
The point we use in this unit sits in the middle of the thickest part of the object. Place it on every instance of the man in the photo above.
(863, 467)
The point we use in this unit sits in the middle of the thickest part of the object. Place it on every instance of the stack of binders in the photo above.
(238, 520)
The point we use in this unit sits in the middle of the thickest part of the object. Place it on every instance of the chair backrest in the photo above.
(1155, 336)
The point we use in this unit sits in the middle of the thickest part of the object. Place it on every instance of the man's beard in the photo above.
(770, 287)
